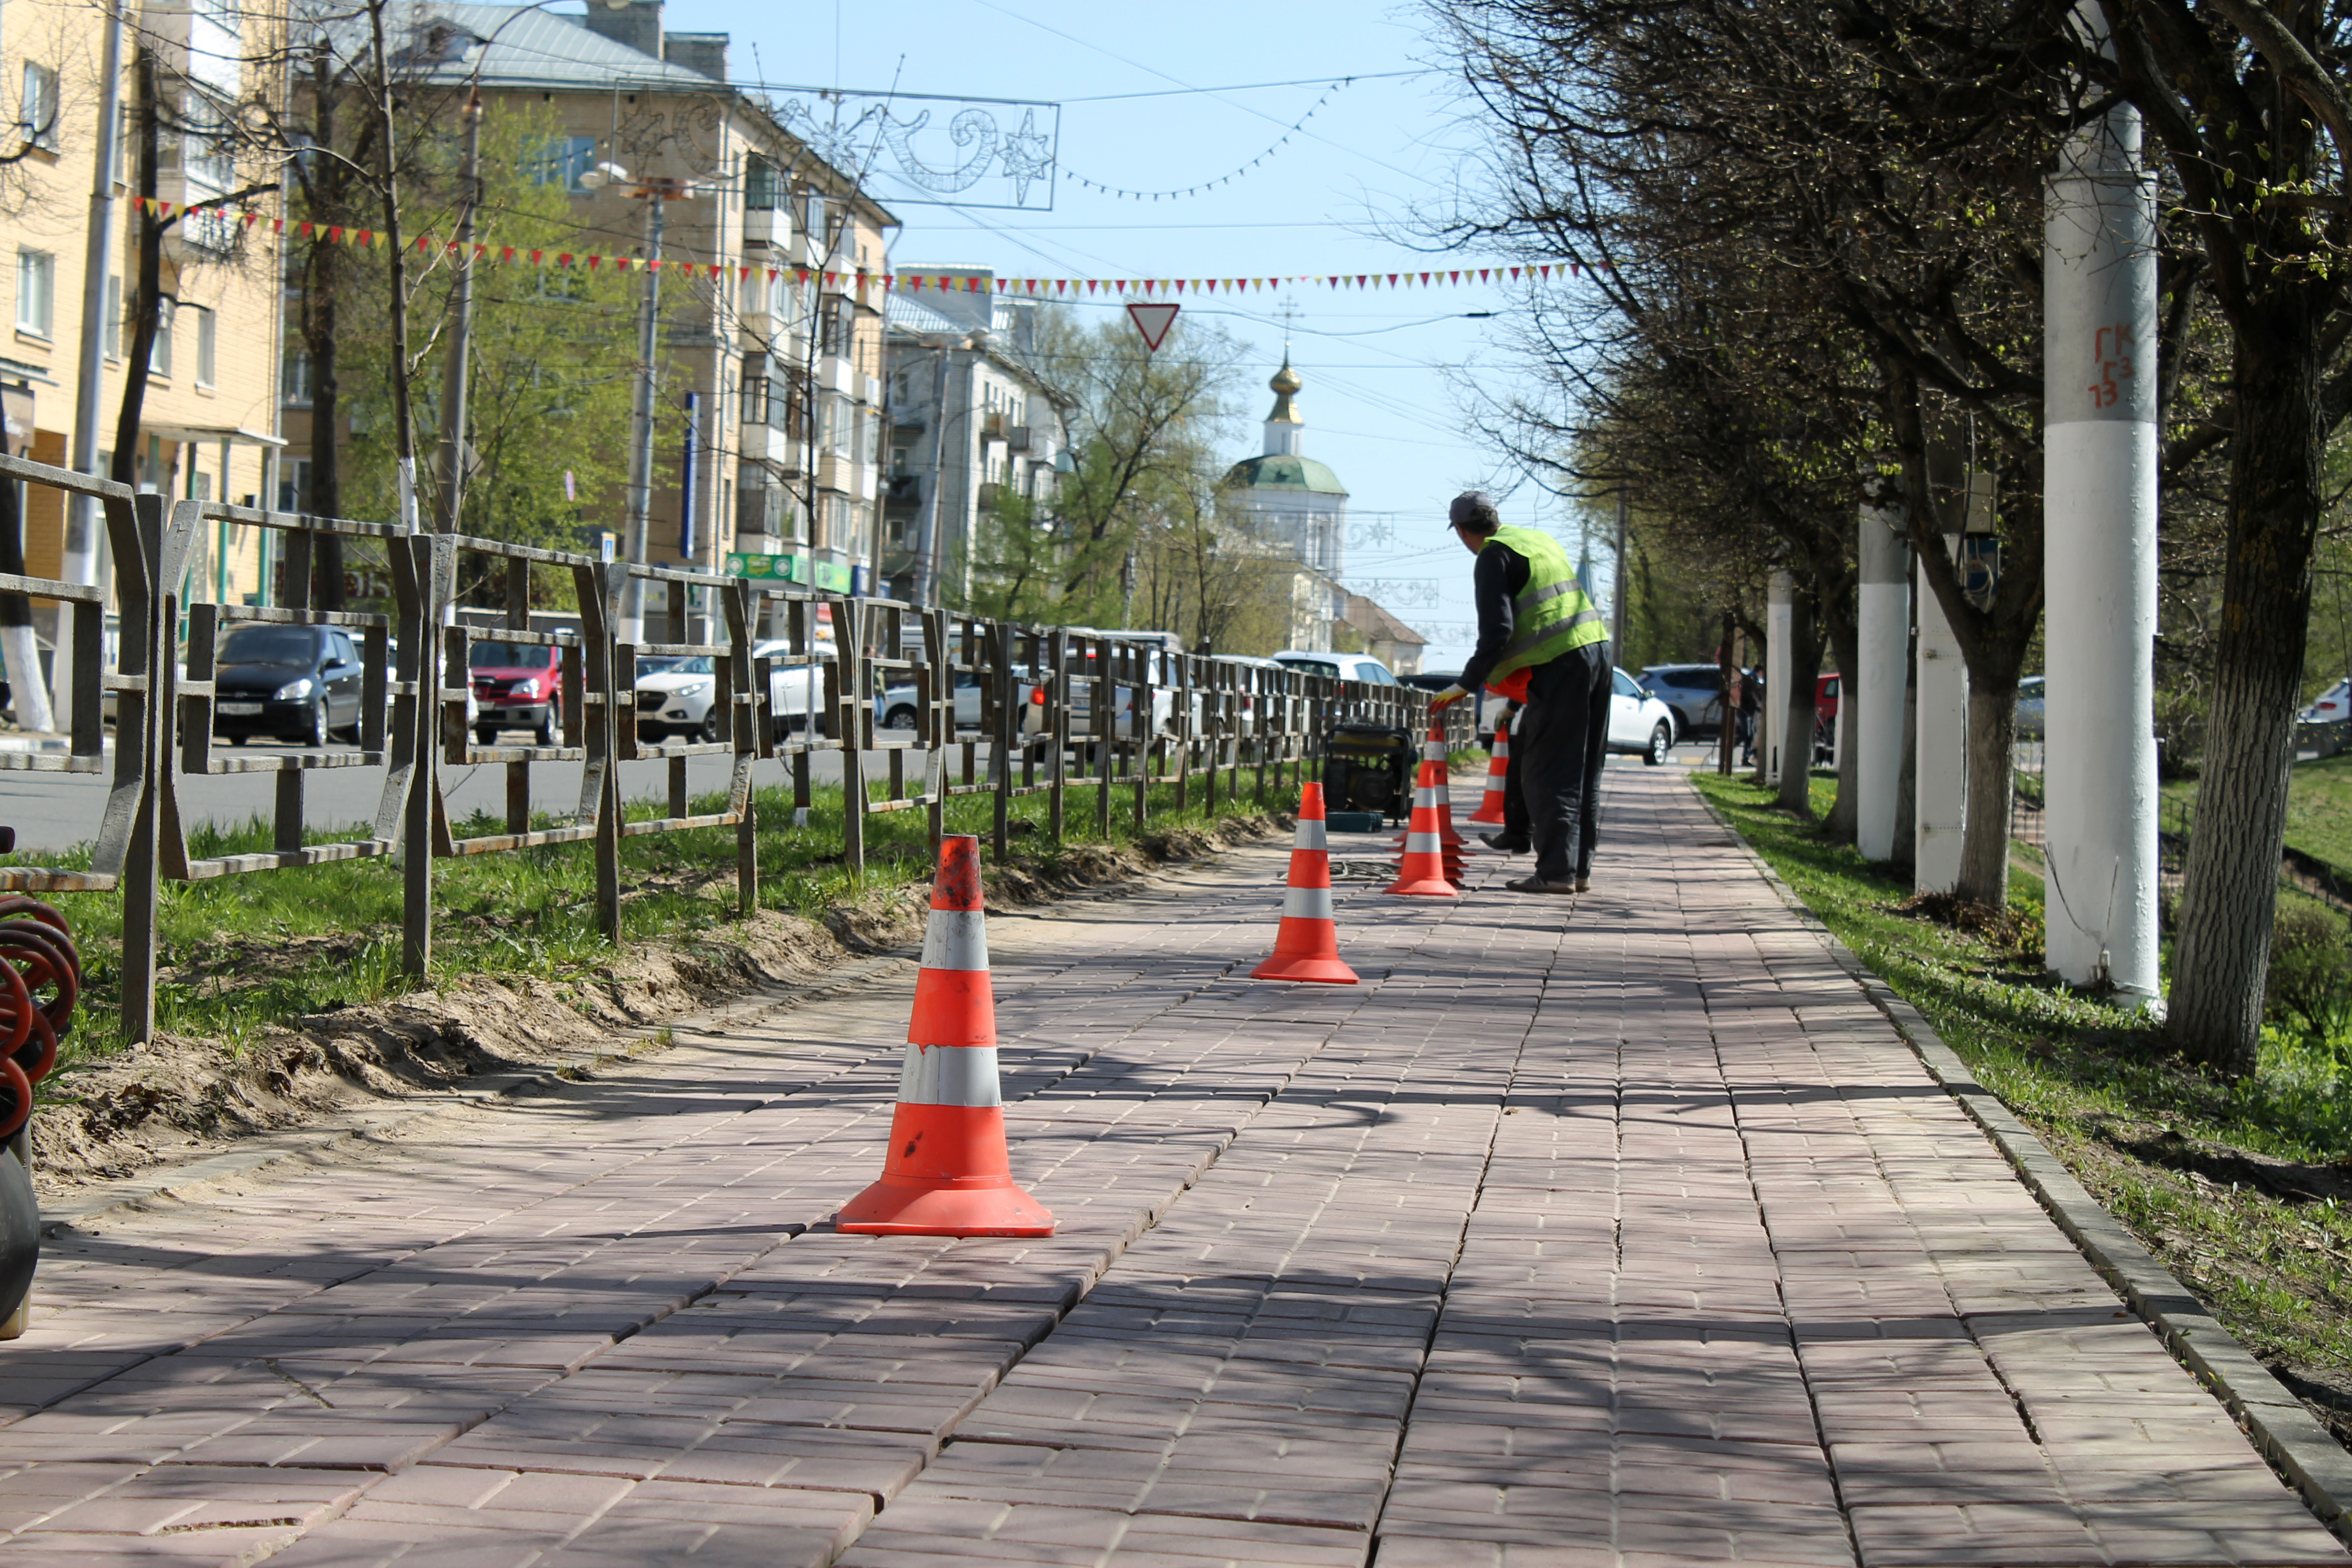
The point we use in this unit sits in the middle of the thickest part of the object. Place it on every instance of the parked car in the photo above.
(2029, 715)
(300, 684)
(1339, 666)
(1638, 722)
(1694, 692)
(678, 700)
(795, 684)
(517, 686)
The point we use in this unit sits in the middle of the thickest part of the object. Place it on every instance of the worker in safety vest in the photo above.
(1534, 615)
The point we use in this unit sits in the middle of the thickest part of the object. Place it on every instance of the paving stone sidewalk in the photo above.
(1620, 1232)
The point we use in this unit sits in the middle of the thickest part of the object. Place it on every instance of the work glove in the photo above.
(1447, 697)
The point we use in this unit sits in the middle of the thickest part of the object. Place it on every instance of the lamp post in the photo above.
(655, 192)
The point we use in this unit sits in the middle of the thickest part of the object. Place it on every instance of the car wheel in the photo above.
(1662, 743)
(709, 733)
(314, 728)
(899, 717)
(550, 727)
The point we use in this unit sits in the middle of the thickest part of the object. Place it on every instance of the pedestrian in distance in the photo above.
(1534, 615)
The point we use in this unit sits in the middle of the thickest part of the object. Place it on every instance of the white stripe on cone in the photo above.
(1424, 844)
(1310, 835)
(956, 939)
(1307, 904)
(948, 1075)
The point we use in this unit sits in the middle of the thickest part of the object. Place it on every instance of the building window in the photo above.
(113, 327)
(755, 396)
(36, 289)
(160, 362)
(294, 484)
(294, 376)
(206, 345)
(211, 159)
(37, 117)
(561, 160)
(761, 189)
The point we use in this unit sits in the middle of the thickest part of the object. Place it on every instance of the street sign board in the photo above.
(1153, 321)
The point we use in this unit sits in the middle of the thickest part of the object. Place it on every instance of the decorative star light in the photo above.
(1026, 155)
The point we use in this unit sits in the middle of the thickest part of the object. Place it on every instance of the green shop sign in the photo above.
(769, 568)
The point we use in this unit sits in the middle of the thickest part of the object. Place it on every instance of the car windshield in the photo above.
(700, 664)
(512, 656)
(269, 645)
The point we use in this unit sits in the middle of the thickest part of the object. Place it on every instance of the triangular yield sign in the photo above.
(1153, 321)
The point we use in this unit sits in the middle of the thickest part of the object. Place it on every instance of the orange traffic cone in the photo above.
(1424, 872)
(1307, 944)
(1490, 807)
(1431, 776)
(948, 1171)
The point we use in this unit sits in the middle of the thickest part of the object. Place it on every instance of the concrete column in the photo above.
(1874, 691)
(1777, 600)
(2099, 327)
(1941, 773)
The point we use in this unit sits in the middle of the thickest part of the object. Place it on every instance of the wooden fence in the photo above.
(922, 705)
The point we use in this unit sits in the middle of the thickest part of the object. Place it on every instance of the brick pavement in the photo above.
(1625, 1236)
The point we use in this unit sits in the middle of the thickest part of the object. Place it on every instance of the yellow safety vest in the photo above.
(1552, 614)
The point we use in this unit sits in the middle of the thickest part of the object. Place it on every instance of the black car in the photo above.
(300, 684)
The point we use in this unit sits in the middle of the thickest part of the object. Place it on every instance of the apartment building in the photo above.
(209, 426)
(973, 426)
(770, 294)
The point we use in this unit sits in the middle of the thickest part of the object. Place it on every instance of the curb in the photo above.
(2283, 1431)
(182, 1181)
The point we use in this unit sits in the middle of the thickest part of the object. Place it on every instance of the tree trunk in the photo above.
(2223, 955)
(1845, 823)
(1907, 786)
(1992, 737)
(1804, 670)
(326, 498)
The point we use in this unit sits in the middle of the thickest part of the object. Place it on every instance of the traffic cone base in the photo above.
(1307, 944)
(947, 1171)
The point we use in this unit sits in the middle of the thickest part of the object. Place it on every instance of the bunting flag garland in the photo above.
(860, 278)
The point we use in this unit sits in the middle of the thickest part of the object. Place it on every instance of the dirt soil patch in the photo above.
(177, 1098)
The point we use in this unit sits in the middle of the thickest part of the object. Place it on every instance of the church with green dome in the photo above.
(1297, 506)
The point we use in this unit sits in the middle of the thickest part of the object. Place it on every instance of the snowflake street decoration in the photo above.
(909, 149)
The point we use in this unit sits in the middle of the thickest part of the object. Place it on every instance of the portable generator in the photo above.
(1366, 767)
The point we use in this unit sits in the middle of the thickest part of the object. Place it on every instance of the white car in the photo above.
(795, 684)
(1339, 665)
(2332, 706)
(678, 700)
(1638, 722)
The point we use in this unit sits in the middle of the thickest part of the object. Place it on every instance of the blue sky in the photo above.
(1379, 403)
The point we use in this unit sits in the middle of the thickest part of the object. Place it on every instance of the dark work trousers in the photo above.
(1565, 733)
(1515, 802)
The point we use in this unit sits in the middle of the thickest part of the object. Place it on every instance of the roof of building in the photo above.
(1377, 624)
(903, 312)
(525, 46)
(1281, 471)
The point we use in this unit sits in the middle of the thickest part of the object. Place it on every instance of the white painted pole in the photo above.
(1941, 774)
(2099, 555)
(1779, 624)
(1874, 691)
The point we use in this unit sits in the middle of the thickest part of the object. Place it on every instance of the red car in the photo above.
(517, 686)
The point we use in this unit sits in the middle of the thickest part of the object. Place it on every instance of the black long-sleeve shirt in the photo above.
(1499, 577)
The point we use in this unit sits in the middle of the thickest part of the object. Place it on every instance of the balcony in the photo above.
(1016, 438)
(992, 426)
(768, 227)
(990, 493)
